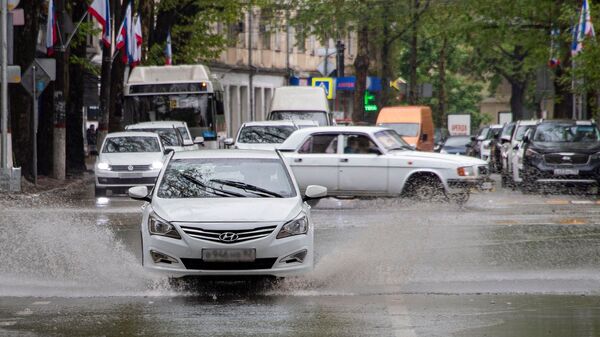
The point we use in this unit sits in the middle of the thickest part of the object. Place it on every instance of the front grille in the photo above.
(199, 264)
(128, 181)
(564, 159)
(243, 235)
(483, 170)
(126, 168)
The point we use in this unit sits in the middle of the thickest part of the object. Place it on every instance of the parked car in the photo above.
(476, 142)
(439, 137)
(306, 103)
(413, 123)
(127, 159)
(486, 144)
(227, 212)
(266, 135)
(511, 143)
(456, 145)
(173, 134)
(375, 161)
(561, 152)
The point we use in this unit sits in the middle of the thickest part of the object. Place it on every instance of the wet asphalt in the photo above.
(505, 264)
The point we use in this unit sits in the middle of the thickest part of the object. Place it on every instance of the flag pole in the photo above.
(75, 30)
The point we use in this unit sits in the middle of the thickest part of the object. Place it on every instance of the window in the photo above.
(131, 144)
(359, 144)
(320, 144)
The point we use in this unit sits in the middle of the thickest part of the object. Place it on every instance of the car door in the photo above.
(315, 162)
(362, 166)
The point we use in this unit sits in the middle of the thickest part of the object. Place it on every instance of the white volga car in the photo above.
(127, 159)
(266, 135)
(375, 161)
(227, 212)
(174, 134)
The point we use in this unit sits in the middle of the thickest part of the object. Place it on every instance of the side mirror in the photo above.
(473, 138)
(188, 142)
(424, 137)
(199, 140)
(526, 139)
(229, 142)
(139, 193)
(315, 192)
(167, 151)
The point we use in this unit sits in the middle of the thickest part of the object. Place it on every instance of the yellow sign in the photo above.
(326, 83)
(397, 83)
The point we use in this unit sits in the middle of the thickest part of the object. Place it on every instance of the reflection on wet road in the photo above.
(506, 264)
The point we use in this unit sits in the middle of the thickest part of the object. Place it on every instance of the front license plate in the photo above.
(130, 175)
(228, 255)
(564, 172)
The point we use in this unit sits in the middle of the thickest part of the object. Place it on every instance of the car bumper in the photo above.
(270, 253)
(460, 185)
(108, 179)
(545, 174)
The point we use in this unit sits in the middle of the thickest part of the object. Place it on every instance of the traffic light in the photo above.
(370, 105)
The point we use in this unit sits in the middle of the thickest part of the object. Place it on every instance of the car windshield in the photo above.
(265, 134)
(130, 144)
(483, 133)
(494, 132)
(403, 129)
(168, 136)
(457, 141)
(183, 132)
(566, 133)
(226, 177)
(317, 116)
(521, 131)
(508, 130)
(391, 140)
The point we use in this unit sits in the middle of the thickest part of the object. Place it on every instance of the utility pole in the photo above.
(60, 99)
(105, 74)
(251, 68)
(4, 90)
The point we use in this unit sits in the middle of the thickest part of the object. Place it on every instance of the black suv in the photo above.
(562, 151)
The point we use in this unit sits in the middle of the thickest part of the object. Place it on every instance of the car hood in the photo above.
(449, 158)
(141, 158)
(227, 209)
(251, 146)
(579, 147)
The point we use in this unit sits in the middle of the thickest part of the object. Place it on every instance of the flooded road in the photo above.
(506, 264)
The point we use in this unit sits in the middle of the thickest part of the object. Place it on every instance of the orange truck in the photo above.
(413, 123)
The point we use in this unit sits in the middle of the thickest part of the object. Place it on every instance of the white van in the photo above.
(306, 103)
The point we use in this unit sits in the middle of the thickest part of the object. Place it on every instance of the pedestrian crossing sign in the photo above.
(326, 83)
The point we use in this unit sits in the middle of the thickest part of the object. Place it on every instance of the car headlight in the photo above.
(103, 166)
(595, 156)
(158, 226)
(157, 165)
(466, 171)
(297, 226)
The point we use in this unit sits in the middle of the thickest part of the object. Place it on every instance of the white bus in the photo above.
(187, 93)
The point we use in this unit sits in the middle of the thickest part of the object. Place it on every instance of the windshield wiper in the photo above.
(275, 136)
(247, 187)
(215, 191)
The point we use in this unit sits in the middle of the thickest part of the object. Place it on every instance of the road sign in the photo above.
(45, 72)
(326, 71)
(326, 83)
(14, 74)
(398, 83)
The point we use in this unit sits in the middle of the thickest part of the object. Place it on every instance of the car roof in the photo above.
(132, 134)
(228, 154)
(298, 136)
(156, 124)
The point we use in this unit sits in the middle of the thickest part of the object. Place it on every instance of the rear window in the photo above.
(261, 134)
(317, 116)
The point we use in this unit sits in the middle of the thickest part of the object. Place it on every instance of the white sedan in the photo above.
(127, 159)
(375, 161)
(227, 212)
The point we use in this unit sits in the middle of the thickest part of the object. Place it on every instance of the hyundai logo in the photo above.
(228, 237)
(566, 158)
(130, 167)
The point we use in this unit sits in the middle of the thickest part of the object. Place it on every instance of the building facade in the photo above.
(263, 56)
